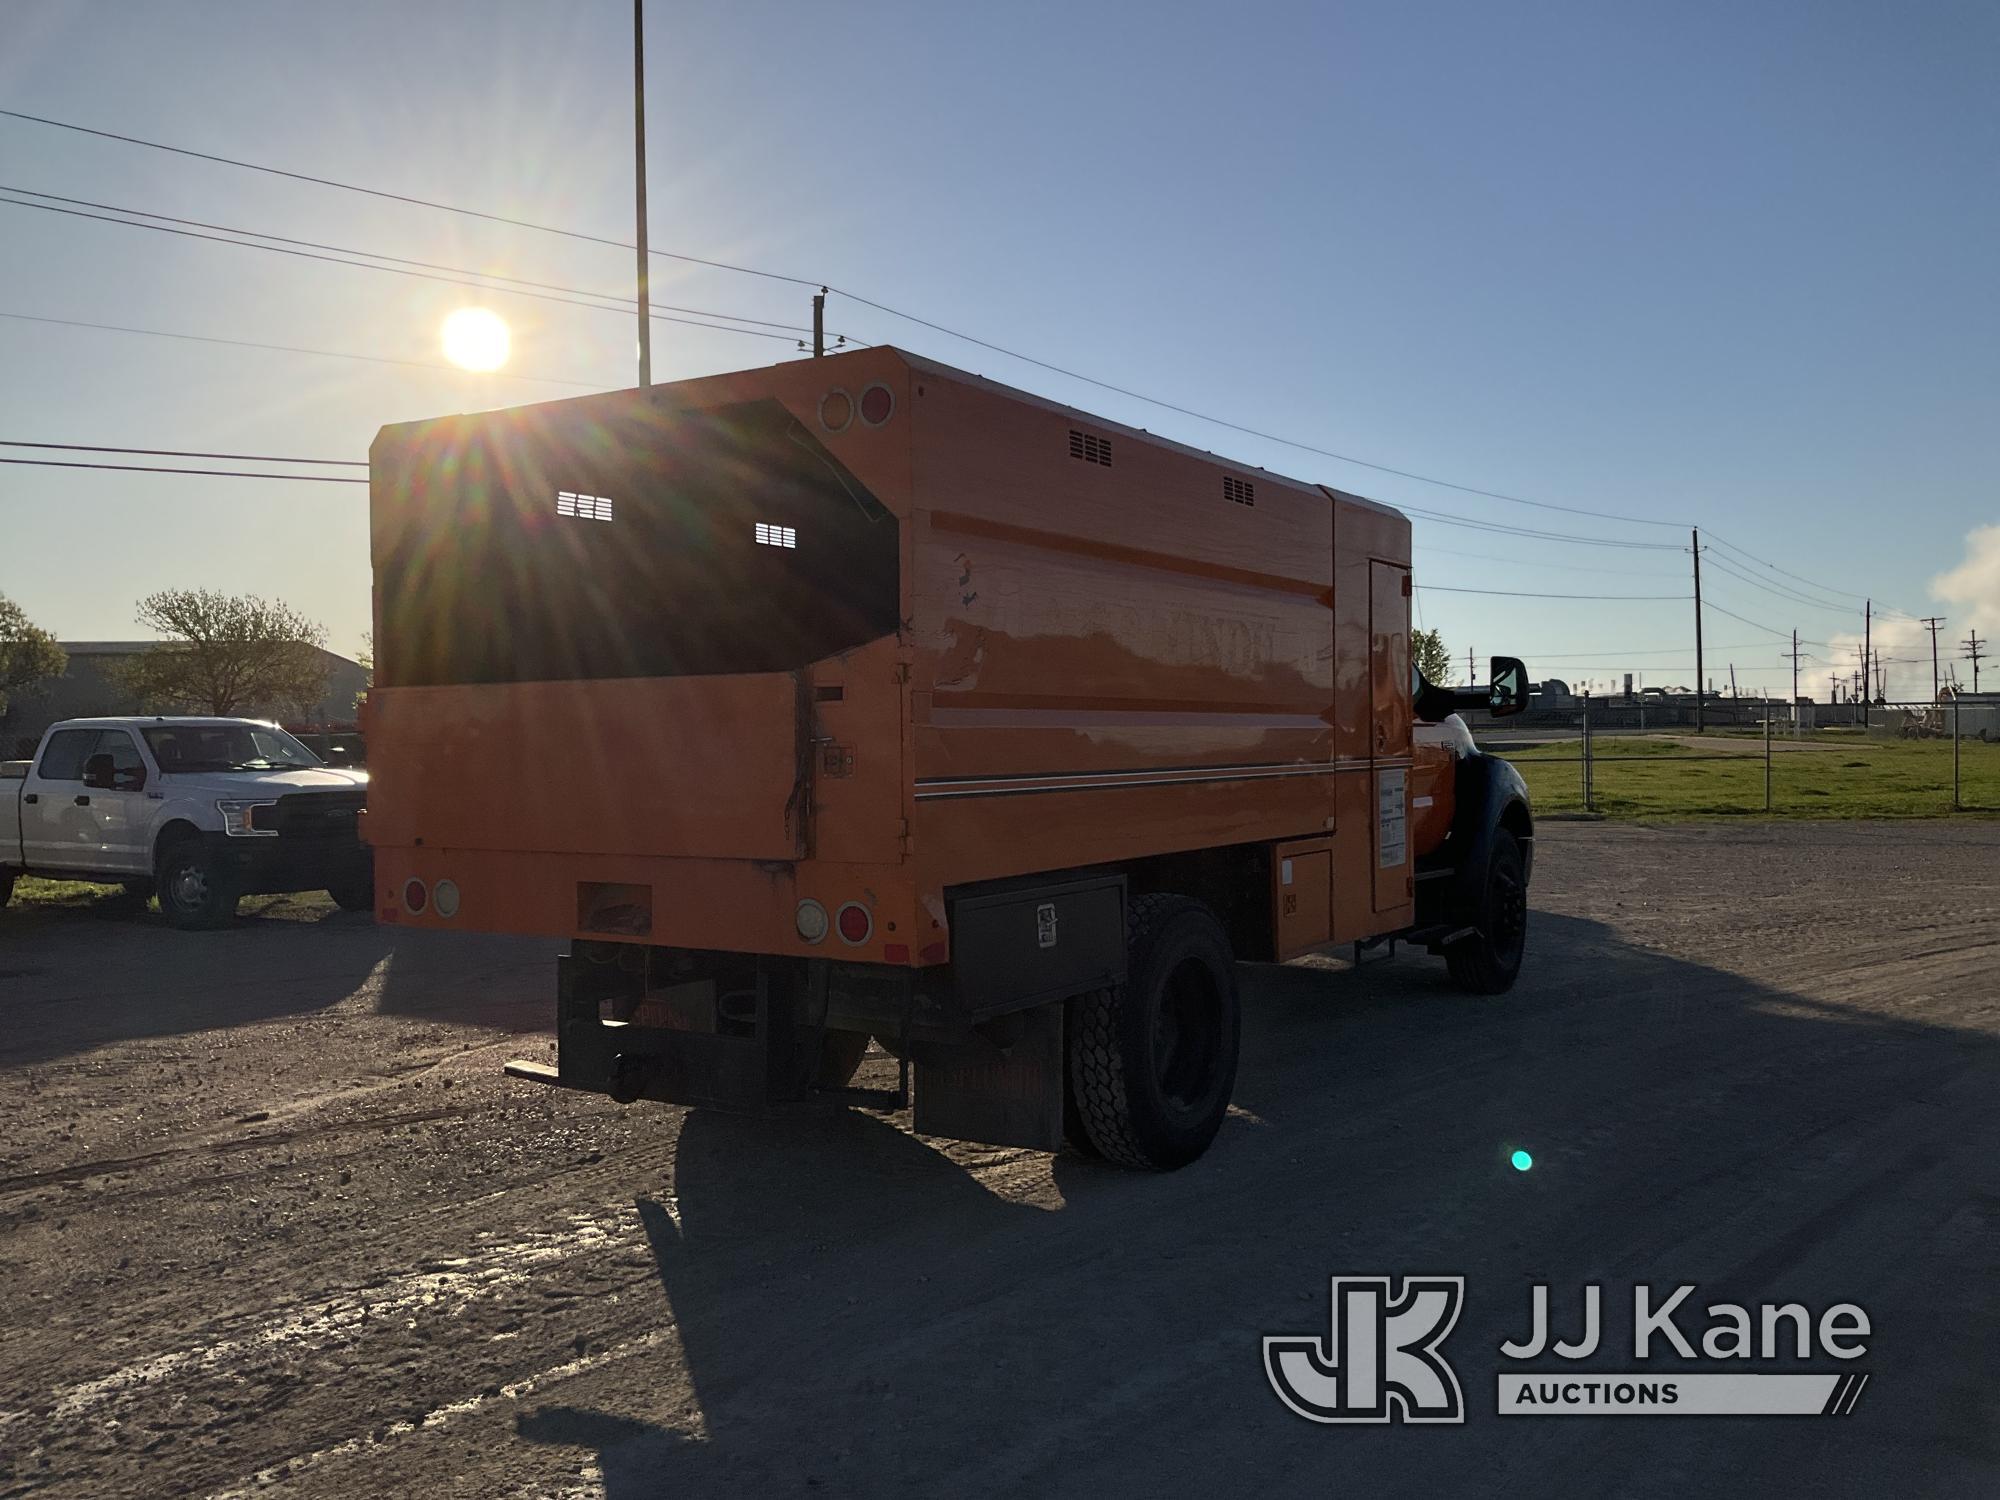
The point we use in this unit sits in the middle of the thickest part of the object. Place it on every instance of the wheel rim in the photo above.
(1187, 1036)
(189, 885)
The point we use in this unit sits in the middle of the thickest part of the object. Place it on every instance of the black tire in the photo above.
(7, 878)
(840, 1054)
(194, 895)
(360, 896)
(1152, 1063)
(140, 891)
(1488, 962)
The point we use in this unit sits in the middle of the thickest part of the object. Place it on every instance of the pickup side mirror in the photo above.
(1507, 687)
(102, 773)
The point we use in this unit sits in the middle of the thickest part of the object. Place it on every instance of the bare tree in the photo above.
(228, 654)
(28, 653)
(1428, 651)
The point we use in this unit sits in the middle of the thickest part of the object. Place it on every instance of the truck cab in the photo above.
(203, 811)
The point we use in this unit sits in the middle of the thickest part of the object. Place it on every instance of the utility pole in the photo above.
(1867, 654)
(1471, 676)
(1972, 650)
(1732, 679)
(819, 324)
(1931, 623)
(639, 158)
(1698, 678)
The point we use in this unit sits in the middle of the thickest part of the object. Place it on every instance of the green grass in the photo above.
(1846, 777)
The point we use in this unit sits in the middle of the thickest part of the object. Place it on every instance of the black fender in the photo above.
(1488, 795)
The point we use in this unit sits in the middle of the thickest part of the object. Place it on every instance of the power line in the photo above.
(63, 463)
(1438, 588)
(376, 359)
(1536, 562)
(623, 303)
(1778, 590)
(450, 208)
(246, 458)
(881, 307)
(1502, 528)
(1798, 577)
(365, 265)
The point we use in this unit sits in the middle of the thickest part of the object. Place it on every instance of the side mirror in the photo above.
(1507, 690)
(97, 772)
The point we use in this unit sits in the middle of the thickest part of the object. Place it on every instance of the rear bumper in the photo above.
(260, 866)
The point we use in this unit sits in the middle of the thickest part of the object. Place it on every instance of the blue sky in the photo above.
(1716, 265)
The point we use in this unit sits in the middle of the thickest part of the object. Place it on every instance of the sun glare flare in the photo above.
(475, 339)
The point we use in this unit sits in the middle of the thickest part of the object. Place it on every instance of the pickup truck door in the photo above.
(58, 831)
(115, 780)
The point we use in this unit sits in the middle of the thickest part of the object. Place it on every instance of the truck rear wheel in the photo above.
(1152, 1062)
(6, 886)
(1488, 962)
(194, 895)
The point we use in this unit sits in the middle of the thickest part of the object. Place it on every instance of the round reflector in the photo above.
(415, 897)
(877, 402)
(445, 898)
(811, 921)
(836, 410)
(854, 923)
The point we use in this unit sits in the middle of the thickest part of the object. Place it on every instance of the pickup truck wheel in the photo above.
(1152, 1062)
(194, 895)
(1488, 962)
(6, 886)
(360, 896)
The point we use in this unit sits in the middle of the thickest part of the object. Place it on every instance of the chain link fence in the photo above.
(1754, 758)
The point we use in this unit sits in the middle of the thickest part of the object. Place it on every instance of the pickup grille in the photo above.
(318, 816)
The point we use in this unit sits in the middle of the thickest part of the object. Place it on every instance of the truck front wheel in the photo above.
(194, 894)
(1152, 1062)
(6, 886)
(1487, 962)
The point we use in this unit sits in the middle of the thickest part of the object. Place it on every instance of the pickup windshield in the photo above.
(226, 747)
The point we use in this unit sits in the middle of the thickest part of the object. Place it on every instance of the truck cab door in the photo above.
(58, 830)
(115, 779)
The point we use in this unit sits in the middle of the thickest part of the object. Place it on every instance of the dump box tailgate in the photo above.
(700, 767)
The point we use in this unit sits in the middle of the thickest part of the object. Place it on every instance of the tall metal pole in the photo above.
(639, 158)
(1867, 656)
(1931, 623)
(819, 323)
(1700, 682)
(1767, 755)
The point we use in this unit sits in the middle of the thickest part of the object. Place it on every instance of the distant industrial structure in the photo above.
(93, 685)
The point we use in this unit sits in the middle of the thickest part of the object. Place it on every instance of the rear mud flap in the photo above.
(1002, 1096)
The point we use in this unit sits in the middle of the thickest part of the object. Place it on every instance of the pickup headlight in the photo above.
(240, 820)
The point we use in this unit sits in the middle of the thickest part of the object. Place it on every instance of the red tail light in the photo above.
(854, 924)
(877, 403)
(415, 897)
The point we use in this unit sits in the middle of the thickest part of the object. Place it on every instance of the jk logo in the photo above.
(1381, 1362)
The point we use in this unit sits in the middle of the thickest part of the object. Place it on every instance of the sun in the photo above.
(475, 339)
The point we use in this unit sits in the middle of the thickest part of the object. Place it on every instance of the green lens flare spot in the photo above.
(1522, 1161)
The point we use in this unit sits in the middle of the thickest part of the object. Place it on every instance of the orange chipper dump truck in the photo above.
(861, 697)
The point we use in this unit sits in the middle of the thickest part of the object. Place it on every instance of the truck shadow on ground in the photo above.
(102, 968)
(858, 1314)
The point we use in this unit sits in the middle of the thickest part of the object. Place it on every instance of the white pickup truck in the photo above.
(201, 811)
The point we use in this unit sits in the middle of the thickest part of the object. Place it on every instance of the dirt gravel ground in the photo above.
(271, 1221)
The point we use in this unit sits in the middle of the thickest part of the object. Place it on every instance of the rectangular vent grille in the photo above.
(583, 507)
(776, 536)
(1242, 491)
(1090, 448)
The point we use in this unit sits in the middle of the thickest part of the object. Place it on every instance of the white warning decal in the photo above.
(1391, 820)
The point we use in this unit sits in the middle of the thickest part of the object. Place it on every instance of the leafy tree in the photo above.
(1428, 651)
(227, 654)
(28, 653)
